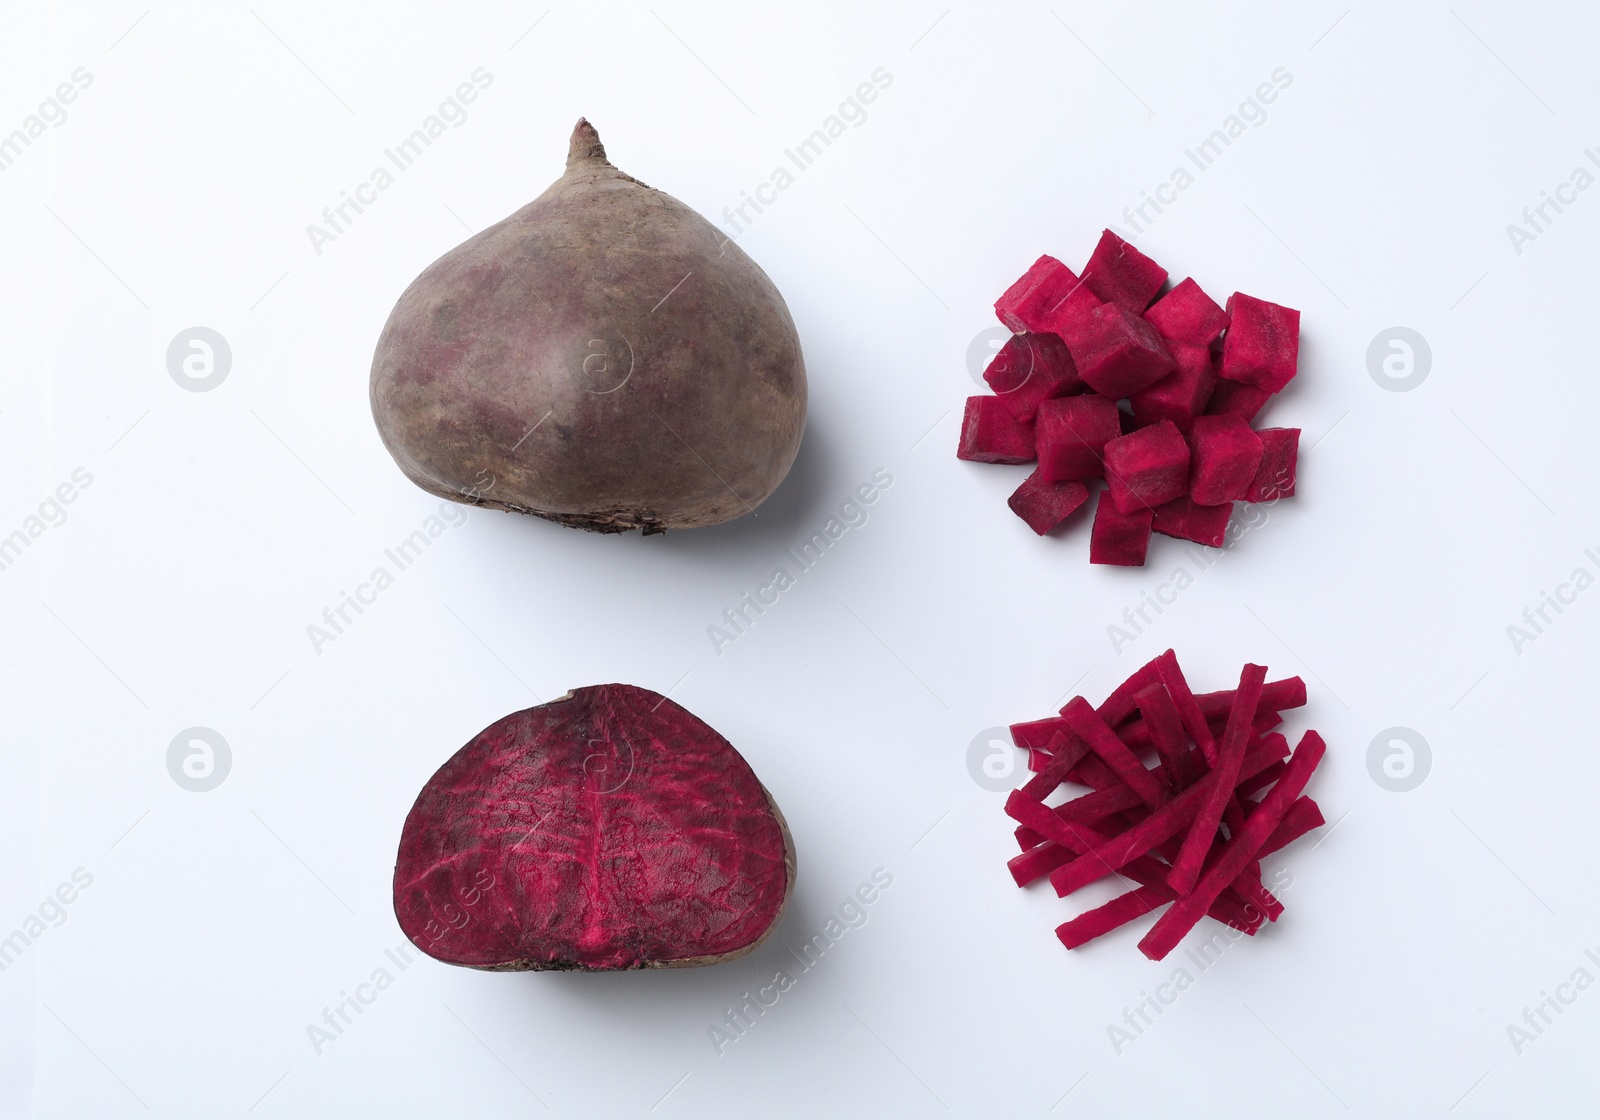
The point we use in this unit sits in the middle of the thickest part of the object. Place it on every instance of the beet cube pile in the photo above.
(1106, 378)
(1187, 793)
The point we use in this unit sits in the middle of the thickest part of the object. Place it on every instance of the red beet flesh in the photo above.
(1181, 825)
(1262, 346)
(1226, 453)
(1027, 304)
(1280, 447)
(609, 829)
(1116, 537)
(1072, 437)
(1187, 314)
(1147, 468)
(1157, 399)
(991, 433)
(1044, 505)
(1118, 273)
(1116, 352)
(1181, 395)
(1031, 368)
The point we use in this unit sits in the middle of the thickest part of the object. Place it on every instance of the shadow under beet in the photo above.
(794, 508)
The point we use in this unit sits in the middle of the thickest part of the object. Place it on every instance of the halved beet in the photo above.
(609, 829)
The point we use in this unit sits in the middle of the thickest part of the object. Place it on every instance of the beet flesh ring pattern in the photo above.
(609, 829)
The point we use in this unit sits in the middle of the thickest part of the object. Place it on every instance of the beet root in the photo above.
(604, 357)
(607, 830)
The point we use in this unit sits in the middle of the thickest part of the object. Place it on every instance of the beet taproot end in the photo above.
(607, 830)
(605, 358)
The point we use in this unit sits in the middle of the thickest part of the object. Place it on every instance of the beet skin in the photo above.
(609, 829)
(604, 357)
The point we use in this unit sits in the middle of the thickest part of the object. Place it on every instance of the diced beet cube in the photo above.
(1183, 519)
(1182, 394)
(1262, 346)
(990, 433)
(1072, 437)
(1118, 538)
(1027, 303)
(1116, 352)
(1031, 368)
(1118, 273)
(1147, 468)
(1280, 447)
(1234, 398)
(1044, 505)
(1187, 314)
(1225, 455)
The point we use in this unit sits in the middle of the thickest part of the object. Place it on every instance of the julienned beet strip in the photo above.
(1136, 841)
(1149, 872)
(1065, 753)
(1261, 781)
(1188, 910)
(1188, 707)
(1033, 815)
(1230, 753)
(1165, 727)
(1181, 826)
(1103, 919)
(1302, 817)
(1276, 696)
(1136, 735)
(1112, 751)
(1117, 707)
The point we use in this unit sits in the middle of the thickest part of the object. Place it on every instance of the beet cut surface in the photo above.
(1093, 383)
(991, 433)
(1031, 368)
(1182, 825)
(1044, 505)
(609, 829)
(1187, 314)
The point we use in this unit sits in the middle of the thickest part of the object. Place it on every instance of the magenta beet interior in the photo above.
(610, 829)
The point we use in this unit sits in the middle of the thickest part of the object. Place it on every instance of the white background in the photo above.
(220, 524)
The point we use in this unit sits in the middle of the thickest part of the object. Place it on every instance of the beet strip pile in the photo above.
(1187, 794)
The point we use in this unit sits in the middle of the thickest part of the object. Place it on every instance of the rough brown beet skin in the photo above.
(605, 357)
(609, 829)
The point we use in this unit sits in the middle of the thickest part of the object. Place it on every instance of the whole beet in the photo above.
(604, 357)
